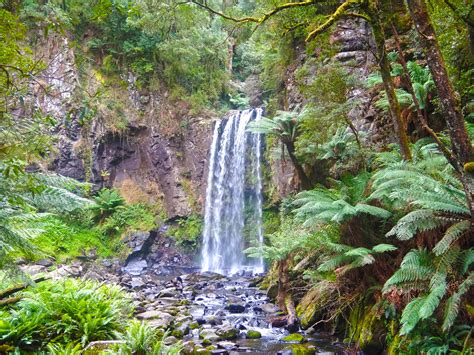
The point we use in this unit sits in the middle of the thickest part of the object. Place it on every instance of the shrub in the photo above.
(188, 232)
(106, 203)
(65, 312)
(131, 217)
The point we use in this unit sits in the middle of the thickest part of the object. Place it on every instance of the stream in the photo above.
(211, 312)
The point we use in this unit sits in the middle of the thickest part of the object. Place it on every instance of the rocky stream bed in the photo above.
(208, 312)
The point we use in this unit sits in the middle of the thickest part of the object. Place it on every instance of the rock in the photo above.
(209, 334)
(157, 319)
(44, 262)
(219, 352)
(171, 340)
(193, 325)
(278, 322)
(294, 338)
(169, 292)
(272, 292)
(93, 275)
(213, 320)
(228, 345)
(304, 349)
(253, 334)
(135, 266)
(235, 308)
(137, 282)
(269, 308)
(227, 332)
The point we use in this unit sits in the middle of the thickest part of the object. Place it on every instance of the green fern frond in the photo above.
(452, 305)
(466, 260)
(433, 299)
(408, 274)
(411, 315)
(382, 248)
(415, 222)
(452, 234)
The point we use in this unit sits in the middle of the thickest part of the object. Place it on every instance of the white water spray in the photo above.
(234, 196)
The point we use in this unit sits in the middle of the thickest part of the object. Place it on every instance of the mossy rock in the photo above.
(303, 349)
(253, 334)
(194, 325)
(206, 342)
(178, 333)
(294, 338)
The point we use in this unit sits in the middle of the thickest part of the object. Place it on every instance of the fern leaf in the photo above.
(453, 233)
(414, 222)
(382, 248)
(411, 315)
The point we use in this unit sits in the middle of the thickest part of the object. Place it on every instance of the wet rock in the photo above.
(235, 308)
(213, 320)
(227, 332)
(171, 340)
(228, 345)
(137, 282)
(278, 322)
(169, 292)
(253, 334)
(93, 275)
(219, 352)
(209, 334)
(294, 338)
(269, 308)
(272, 292)
(44, 262)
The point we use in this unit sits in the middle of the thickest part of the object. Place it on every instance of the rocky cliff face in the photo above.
(112, 134)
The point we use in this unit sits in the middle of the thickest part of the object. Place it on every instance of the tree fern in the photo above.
(322, 205)
(353, 257)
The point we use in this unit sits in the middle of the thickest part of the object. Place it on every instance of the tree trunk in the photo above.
(395, 111)
(284, 299)
(422, 116)
(450, 102)
(303, 180)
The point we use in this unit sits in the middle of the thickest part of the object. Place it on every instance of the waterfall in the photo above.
(233, 212)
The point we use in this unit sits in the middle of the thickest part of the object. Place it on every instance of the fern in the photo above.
(452, 234)
(452, 305)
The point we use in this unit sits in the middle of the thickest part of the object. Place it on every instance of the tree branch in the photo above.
(259, 20)
(340, 12)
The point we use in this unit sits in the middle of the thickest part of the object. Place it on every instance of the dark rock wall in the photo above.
(159, 155)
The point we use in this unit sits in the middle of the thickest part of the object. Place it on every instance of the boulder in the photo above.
(294, 338)
(227, 332)
(253, 334)
(235, 308)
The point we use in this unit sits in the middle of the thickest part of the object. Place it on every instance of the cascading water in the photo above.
(233, 213)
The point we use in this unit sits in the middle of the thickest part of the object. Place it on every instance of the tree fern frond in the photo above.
(432, 300)
(466, 260)
(452, 305)
(408, 274)
(411, 315)
(453, 233)
(414, 222)
(382, 248)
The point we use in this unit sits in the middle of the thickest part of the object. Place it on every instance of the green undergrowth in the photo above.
(63, 317)
(187, 232)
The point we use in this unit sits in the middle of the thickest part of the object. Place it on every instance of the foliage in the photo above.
(141, 338)
(187, 232)
(431, 275)
(352, 258)
(338, 204)
(106, 203)
(283, 125)
(135, 217)
(66, 311)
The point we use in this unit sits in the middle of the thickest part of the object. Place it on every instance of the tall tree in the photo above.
(369, 10)
(449, 98)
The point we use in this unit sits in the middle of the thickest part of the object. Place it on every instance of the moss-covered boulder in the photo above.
(303, 349)
(253, 334)
(294, 338)
(227, 332)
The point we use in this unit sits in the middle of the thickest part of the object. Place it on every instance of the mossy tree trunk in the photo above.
(389, 86)
(303, 180)
(449, 98)
(284, 299)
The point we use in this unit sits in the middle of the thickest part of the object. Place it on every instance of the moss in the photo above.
(469, 167)
(295, 337)
(253, 334)
(303, 349)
